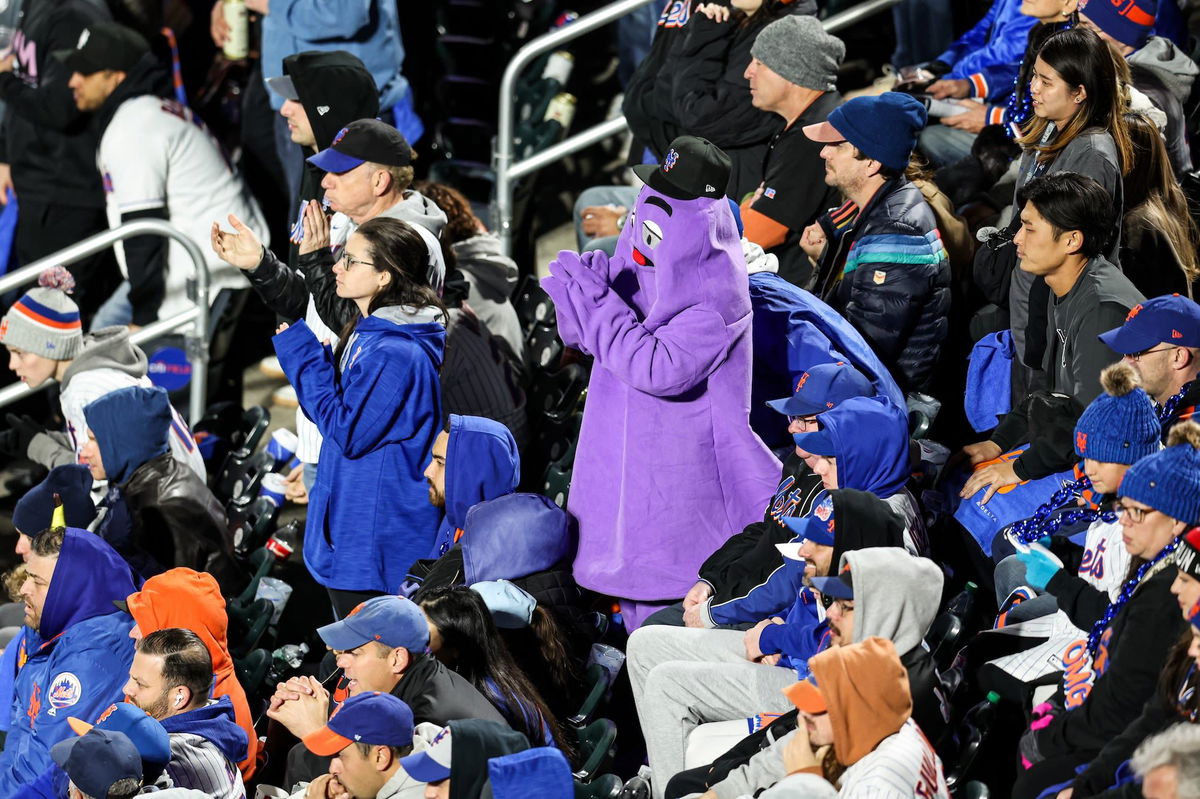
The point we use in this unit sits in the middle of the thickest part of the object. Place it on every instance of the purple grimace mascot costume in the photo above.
(667, 467)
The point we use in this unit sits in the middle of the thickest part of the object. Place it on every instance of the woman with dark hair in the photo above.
(1158, 234)
(463, 636)
(1078, 97)
(375, 398)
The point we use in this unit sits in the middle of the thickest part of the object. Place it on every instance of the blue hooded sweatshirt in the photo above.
(369, 515)
(870, 437)
(83, 665)
(215, 723)
(542, 772)
(131, 426)
(482, 463)
(514, 536)
(794, 331)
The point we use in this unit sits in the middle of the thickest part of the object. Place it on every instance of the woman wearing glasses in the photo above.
(375, 398)
(1129, 637)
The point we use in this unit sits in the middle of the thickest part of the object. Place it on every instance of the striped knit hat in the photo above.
(45, 321)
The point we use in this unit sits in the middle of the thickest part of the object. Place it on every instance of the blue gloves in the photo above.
(1040, 566)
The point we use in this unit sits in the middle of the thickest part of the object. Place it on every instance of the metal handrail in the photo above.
(196, 340)
(508, 172)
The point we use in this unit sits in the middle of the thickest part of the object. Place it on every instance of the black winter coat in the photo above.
(691, 84)
(1135, 648)
(889, 275)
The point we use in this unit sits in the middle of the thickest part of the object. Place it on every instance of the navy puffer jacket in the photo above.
(887, 272)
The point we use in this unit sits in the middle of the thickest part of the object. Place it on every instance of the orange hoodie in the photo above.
(866, 690)
(192, 600)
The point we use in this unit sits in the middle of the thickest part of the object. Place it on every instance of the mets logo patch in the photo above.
(65, 691)
(670, 161)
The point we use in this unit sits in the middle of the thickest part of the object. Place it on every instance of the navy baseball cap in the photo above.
(390, 620)
(374, 718)
(1171, 319)
(97, 760)
(822, 387)
(433, 764)
(147, 734)
(884, 127)
(818, 526)
(361, 141)
(839, 587)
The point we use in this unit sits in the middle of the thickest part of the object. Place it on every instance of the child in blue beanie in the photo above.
(1119, 428)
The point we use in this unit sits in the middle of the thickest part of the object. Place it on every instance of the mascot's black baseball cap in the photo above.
(692, 168)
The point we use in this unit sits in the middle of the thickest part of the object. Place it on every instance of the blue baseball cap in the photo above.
(511, 607)
(373, 718)
(361, 141)
(818, 526)
(822, 387)
(883, 128)
(147, 734)
(433, 764)
(1171, 319)
(390, 620)
(839, 587)
(97, 760)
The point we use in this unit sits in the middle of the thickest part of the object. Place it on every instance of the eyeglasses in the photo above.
(804, 420)
(1136, 515)
(844, 605)
(1137, 356)
(348, 262)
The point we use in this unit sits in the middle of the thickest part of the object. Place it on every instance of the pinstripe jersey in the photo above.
(197, 763)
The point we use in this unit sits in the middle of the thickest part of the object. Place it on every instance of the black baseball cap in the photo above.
(692, 168)
(361, 141)
(105, 45)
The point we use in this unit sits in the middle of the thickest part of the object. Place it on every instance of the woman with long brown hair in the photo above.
(1158, 234)
(376, 400)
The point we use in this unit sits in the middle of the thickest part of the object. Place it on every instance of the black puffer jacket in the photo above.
(889, 275)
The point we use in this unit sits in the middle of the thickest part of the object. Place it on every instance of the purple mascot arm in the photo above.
(665, 362)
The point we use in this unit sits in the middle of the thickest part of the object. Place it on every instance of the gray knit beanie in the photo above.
(800, 51)
(45, 321)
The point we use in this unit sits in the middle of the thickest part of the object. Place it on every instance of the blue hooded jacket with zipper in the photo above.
(482, 463)
(83, 664)
(369, 515)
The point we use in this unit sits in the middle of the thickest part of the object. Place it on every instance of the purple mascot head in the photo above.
(682, 238)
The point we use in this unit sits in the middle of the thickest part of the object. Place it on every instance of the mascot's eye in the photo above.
(651, 234)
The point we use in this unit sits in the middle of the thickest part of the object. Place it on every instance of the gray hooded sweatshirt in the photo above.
(896, 596)
(492, 277)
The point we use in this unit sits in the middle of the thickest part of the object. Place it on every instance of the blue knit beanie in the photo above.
(1120, 426)
(1169, 480)
(73, 485)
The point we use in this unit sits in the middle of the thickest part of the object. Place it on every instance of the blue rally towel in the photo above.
(989, 380)
(1006, 506)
